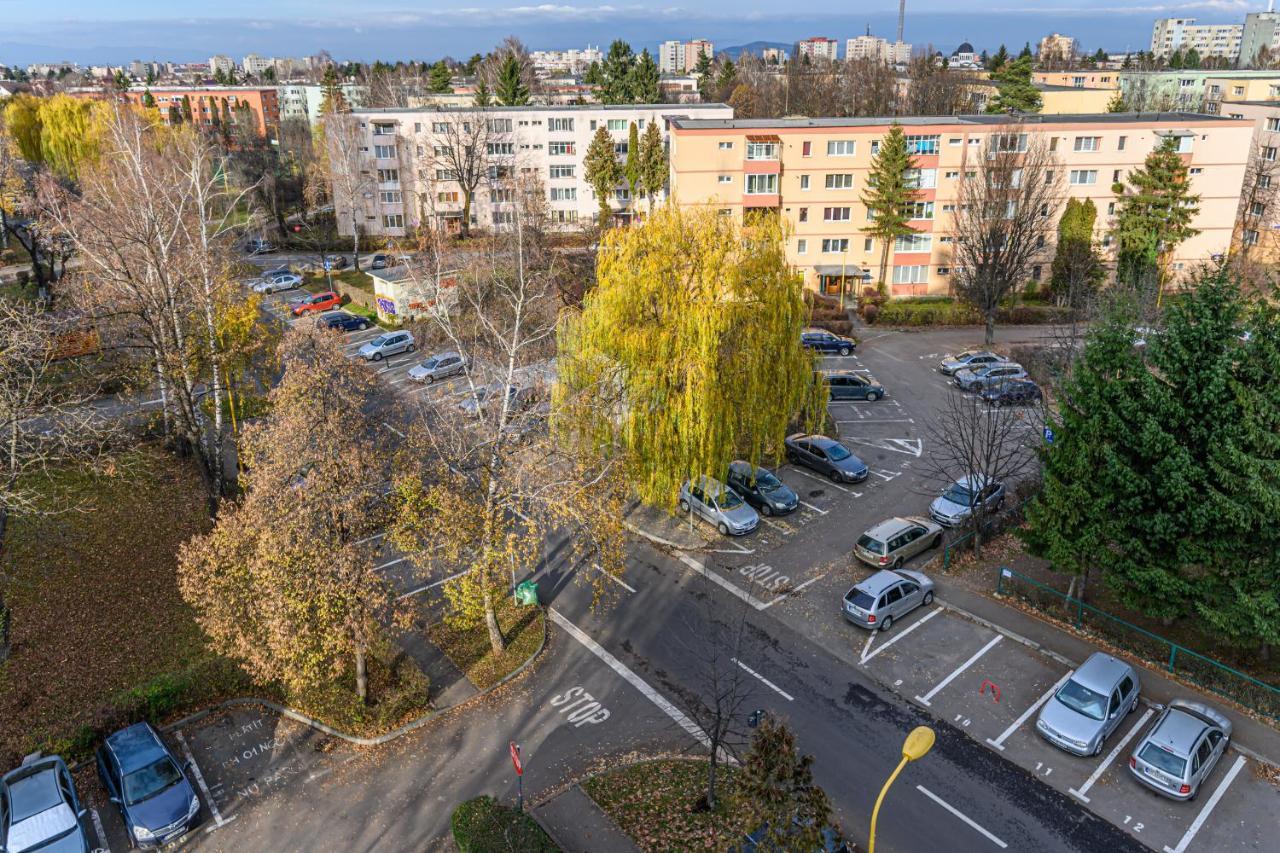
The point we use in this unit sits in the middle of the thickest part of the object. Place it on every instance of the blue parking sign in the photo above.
(1048, 435)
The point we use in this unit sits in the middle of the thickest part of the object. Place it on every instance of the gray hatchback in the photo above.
(1181, 749)
(1089, 705)
(715, 502)
(885, 596)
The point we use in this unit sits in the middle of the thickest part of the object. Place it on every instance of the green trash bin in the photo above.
(527, 593)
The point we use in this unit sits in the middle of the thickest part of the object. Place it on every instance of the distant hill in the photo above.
(755, 47)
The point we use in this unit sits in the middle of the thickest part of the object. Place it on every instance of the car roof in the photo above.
(33, 788)
(854, 373)
(813, 331)
(879, 582)
(135, 747)
(890, 527)
(1101, 672)
(972, 481)
(1178, 731)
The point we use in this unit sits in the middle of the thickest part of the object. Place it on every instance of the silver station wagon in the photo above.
(1181, 749)
(885, 596)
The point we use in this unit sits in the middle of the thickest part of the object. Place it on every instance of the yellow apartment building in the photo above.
(813, 172)
(1091, 78)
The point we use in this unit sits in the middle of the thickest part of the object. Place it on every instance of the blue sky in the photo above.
(119, 30)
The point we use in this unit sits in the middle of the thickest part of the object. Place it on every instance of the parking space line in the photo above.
(370, 538)
(784, 694)
(389, 564)
(896, 637)
(1190, 834)
(619, 581)
(956, 672)
(998, 743)
(432, 585)
(204, 789)
(829, 483)
(1111, 756)
(793, 589)
(102, 833)
(715, 578)
(818, 510)
(931, 795)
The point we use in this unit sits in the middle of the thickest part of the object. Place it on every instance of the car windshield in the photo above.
(859, 599)
(837, 452)
(1079, 698)
(959, 494)
(965, 356)
(728, 499)
(430, 363)
(150, 780)
(875, 546)
(380, 340)
(1161, 759)
(766, 482)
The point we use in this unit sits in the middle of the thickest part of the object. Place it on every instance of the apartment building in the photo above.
(213, 104)
(1083, 79)
(1169, 35)
(1259, 37)
(814, 171)
(1056, 46)
(1196, 89)
(1258, 216)
(818, 47)
(411, 182)
(225, 64)
(572, 61)
(303, 100)
(681, 57)
(878, 49)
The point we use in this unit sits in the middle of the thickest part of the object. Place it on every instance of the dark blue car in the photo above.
(343, 321)
(148, 786)
(827, 343)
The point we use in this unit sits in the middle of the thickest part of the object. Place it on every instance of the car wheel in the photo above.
(897, 564)
(431, 379)
(411, 348)
(872, 397)
(937, 541)
(845, 350)
(835, 476)
(765, 509)
(884, 626)
(723, 528)
(377, 356)
(684, 506)
(928, 598)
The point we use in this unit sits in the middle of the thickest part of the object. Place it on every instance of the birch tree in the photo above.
(459, 154)
(347, 170)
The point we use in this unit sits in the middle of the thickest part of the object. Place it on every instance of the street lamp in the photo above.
(917, 744)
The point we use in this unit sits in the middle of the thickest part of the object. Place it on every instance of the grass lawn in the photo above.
(318, 281)
(483, 825)
(469, 648)
(657, 803)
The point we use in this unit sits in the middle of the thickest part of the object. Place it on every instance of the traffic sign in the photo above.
(515, 759)
(1048, 435)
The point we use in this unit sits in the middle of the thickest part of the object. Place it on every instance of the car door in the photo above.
(818, 459)
(698, 502)
(892, 600)
(840, 387)
(857, 387)
(1115, 711)
(911, 596)
(449, 365)
(1201, 762)
(916, 540)
(1217, 741)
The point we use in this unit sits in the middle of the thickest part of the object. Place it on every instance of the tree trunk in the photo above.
(466, 214)
(362, 677)
(884, 268)
(497, 642)
(711, 775)
(355, 238)
(5, 614)
(990, 335)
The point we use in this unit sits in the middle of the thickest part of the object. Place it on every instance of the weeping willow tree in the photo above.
(687, 354)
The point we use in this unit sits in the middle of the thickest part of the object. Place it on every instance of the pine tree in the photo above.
(121, 80)
(776, 791)
(727, 75)
(617, 75)
(602, 171)
(148, 99)
(220, 77)
(1175, 59)
(1154, 210)
(510, 89)
(1077, 269)
(186, 109)
(1100, 57)
(175, 115)
(331, 98)
(999, 60)
(653, 163)
(644, 80)
(888, 194)
(473, 64)
(706, 80)
(1015, 90)
(482, 96)
(1117, 104)
(1025, 53)
(632, 167)
(594, 75)
(1192, 58)
(439, 78)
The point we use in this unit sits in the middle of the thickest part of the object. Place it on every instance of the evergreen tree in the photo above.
(1015, 90)
(473, 64)
(151, 76)
(1154, 210)
(726, 76)
(1117, 104)
(331, 98)
(482, 96)
(1077, 269)
(1025, 53)
(602, 171)
(186, 109)
(999, 60)
(510, 89)
(644, 80)
(439, 78)
(615, 87)
(776, 791)
(220, 77)
(175, 115)
(653, 163)
(888, 194)
(1100, 57)
(148, 100)
(1175, 59)
(594, 75)
(121, 80)
(631, 169)
(1191, 59)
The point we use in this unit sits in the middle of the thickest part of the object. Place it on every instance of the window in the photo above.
(804, 180)
(1194, 170)
(560, 149)
(1184, 144)
(1238, 90)
(762, 184)
(954, 140)
(1186, 82)
(1264, 181)
(726, 146)
(875, 147)
(564, 216)
(840, 181)
(948, 208)
(725, 179)
(439, 127)
(393, 220)
(804, 214)
(913, 243)
(947, 239)
(762, 151)
(840, 148)
(911, 274)
(441, 150)
(384, 130)
(1081, 177)
(420, 150)
(835, 246)
(944, 271)
(806, 148)
(952, 175)
(1111, 208)
(1115, 176)
(617, 124)
(1120, 144)
(1036, 272)
(564, 193)
(384, 152)
(835, 214)
(725, 211)
(502, 196)
(388, 176)
(920, 210)
(499, 125)
(562, 171)
(390, 197)
(1088, 143)
(1269, 153)
(417, 127)
(802, 246)
(501, 148)
(446, 175)
(1273, 124)
(447, 198)
(1257, 208)
(503, 217)
(921, 179)
(922, 144)
(868, 243)
(622, 194)
(559, 124)
(1250, 237)
(1009, 142)
(620, 148)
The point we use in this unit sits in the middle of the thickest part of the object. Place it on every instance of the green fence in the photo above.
(1191, 666)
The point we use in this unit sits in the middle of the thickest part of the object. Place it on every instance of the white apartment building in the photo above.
(541, 147)
(303, 100)
(818, 47)
(254, 65)
(681, 57)
(573, 61)
(774, 55)
(1057, 46)
(876, 48)
(225, 64)
(1169, 35)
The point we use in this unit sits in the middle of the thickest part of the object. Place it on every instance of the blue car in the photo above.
(827, 343)
(147, 784)
(39, 809)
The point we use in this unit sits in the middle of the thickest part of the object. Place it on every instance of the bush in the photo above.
(836, 327)
(926, 311)
(1034, 314)
(483, 825)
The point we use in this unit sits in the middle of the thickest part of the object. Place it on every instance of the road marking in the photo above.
(931, 795)
(998, 743)
(736, 549)
(195, 771)
(956, 672)
(619, 581)
(776, 525)
(389, 564)
(898, 636)
(102, 833)
(793, 589)
(814, 508)
(712, 576)
(370, 538)
(432, 585)
(887, 476)
(157, 401)
(634, 680)
(876, 421)
(1111, 756)
(393, 429)
(784, 694)
(830, 483)
(1208, 808)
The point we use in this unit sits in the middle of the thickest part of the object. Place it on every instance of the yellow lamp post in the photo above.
(917, 744)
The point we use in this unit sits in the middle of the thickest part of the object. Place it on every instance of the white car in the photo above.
(284, 281)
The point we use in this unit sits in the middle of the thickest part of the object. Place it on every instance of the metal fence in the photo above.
(995, 524)
(1191, 666)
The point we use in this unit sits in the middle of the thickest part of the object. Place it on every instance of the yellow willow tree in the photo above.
(687, 353)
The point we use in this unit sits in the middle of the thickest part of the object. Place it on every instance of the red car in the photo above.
(324, 301)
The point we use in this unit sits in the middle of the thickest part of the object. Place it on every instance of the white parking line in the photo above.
(955, 673)
(931, 795)
(619, 581)
(432, 585)
(784, 694)
(389, 564)
(998, 743)
(792, 590)
(370, 538)
(830, 483)
(712, 576)
(1190, 834)
(195, 771)
(896, 637)
(814, 508)
(1111, 756)
(102, 833)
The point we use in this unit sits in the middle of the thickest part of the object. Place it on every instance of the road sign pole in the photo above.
(519, 766)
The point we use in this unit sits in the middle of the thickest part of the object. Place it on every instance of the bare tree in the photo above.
(347, 169)
(1254, 233)
(1004, 220)
(935, 91)
(469, 148)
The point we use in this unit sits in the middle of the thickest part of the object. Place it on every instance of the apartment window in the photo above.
(1250, 237)
(447, 198)
(920, 210)
(1088, 143)
(1257, 208)
(1111, 208)
(563, 216)
(806, 148)
(835, 246)
(944, 270)
(501, 148)
(1184, 144)
(726, 146)
(913, 243)
(911, 274)
(393, 220)
(952, 175)
(971, 173)
(388, 176)
(496, 172)
(920, 179)
(1186, 82)
(725, 211)
(559, 124)
(1195, 170)
(562, 171)
(1120, 144)
(840, 148)
(1264, 181)
(945, 239)
(725, 179)
(954, 140)
(390, 196)
(875, 147)
(1106, 241)
(1269, 153)
(840, 181)
(560, 149)
(762, 151)
(441, 150)
(499, 125)
(802, 246)
(835, 214)
(617, 124)
(762, 184)
(417, 127)
(384, 130)
(1080, 177)
(868, 243)
(1053, 143)
(1036, 272)
(503, 217)
(439, 127)
(949, 208)
(804, 180)
(421, 150)
(384, 152)
(922, 144)
(1238, 90)
(446, 175)
(564, 193)
(622, 194)
(1009, 142)
(804, 214)
(620, 148)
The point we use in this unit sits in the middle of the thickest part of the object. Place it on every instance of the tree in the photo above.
(1257, 214)
(1003, 220)
(936, 91)
(1015, 91)
(510, 89)
(889, 194)
(1154, 212)
(602, 171)
(148, 100)
(617, 74)
(594, 75)
(460, 156)
(1100, 56)
(632, 167)
(440, 78)
(1117, 104)
(776, 791)
(186, 109)
(331, 98)
(482, 96)
(726, 76)
(344, 165)
(644, 80)
(706, 80)
(999, 59)
(285, 581)
(1077, 270)
(692, 337)
(473, 64)
(1025, 53)
(121, 80)
(653, 163)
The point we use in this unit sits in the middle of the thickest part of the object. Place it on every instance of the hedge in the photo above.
(945, 311)
(483, 825)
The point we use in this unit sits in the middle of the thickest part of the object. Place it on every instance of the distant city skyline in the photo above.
(86, 32)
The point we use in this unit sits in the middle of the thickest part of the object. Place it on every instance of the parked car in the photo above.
(337, 262)
(1181, 749)
(956, 504)
(761, 488)
(379, 262)
(39, 809)
(148, 785)
(852, 386)
(1011, 392)
(519, 397)
(826, 456)
(442, 365)
(877, 601)
(825, 342)
(1090, 705)
(258, 246)
(279, 281)
(326, 300)
(895, 540)
(343, 321)
(970, 358)
(283, 269)
(720, 505)
(977, 378)
(387, 344)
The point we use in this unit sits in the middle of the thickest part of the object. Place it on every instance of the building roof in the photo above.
(964, 47)
(976, 120)
(540, 108)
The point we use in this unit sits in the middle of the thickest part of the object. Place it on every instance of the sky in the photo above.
(114, 31)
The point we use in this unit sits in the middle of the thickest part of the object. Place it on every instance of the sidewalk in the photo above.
(1258, 740)
(656, 526)
(577, 825)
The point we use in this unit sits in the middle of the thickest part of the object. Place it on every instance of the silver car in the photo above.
(1089, 706)
(715, 502)
(969, 358)
(440, 366)
(894, 541)
(956, 503)
(984, 376)
(1181, 749)
(886, 596)
(390, 343)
